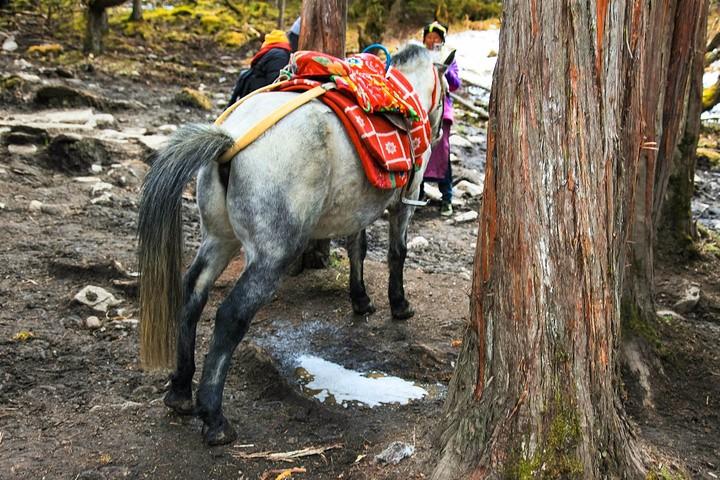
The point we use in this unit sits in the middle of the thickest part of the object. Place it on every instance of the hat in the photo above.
(436, 27)
(276, 36)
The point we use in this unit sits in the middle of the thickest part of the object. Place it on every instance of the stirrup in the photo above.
(415, 203)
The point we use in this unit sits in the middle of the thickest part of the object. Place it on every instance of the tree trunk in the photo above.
(664, 115)
(97, 24)
(323, 26)
(573, 114)
(677, 232)
(281, 15)
(323, 30)
(136, 14)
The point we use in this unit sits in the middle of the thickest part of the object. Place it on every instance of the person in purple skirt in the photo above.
(439, 168)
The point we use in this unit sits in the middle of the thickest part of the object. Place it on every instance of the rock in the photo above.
(58, 95)
(24, 135)
(432, 192)
(9, 45)
(669, 314)
(470, 216)
(22, 149)
(153, 142)
(454, 158)
(35, 206)
(22, 64)
(460, 142)
(86, 179)
(2, 206)
(46, 49)
(189, 97)
(93, 323)
(689, 301)
(97, 298)
(167, 129)
(106, 199)
(468, 189)
(71, 154)
(100, 187)
(95, 168)
(104, 119)
(395, 453)
(29, 77)
(418, 243)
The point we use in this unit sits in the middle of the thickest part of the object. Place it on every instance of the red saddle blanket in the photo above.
(363, 93)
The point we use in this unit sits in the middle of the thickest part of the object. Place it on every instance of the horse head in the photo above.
(427, 76)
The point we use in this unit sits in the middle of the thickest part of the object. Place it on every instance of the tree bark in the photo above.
(136, 14)
(677, 232)
(323, 26)
(665, 112)
(96, 24)
(575, 109)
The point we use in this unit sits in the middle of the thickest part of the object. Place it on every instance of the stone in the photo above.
(86, 179)
(395, 453)
(104, 119)
(22, 64)
(93, 323)
(454, 158)
(10, 45)
(69, 154)
(59, 95)
(167, 128)
(153, 142)
(460, 142)
(464, 217)
(432, 192)
(35, 206)
(689, 301)
(106, 199)
(24, 135)
(97, 298)
(468, 189)
(418, 243)
(22, 149)
(100, 187)
(29, 77)
(95, 168)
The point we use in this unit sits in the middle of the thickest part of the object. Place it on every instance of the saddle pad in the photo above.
(364, 91)
(384, 150)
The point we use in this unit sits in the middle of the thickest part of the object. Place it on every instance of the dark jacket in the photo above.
(263, 72)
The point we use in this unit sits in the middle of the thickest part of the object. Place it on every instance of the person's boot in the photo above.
(446, 209)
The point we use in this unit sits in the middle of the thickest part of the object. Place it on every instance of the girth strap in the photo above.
(271, 119)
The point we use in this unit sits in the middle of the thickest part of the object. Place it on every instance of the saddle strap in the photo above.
(271, 119)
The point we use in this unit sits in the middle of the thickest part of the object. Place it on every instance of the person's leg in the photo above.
(445, 185)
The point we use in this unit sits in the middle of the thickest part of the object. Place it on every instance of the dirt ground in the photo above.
(74, 404)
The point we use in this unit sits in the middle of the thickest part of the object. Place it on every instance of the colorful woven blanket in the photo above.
(363, 94)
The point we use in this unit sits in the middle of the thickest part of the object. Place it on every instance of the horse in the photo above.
(301, 180)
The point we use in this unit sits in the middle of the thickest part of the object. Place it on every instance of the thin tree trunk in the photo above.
(136, 14)
(96, 24)
(281, 15)
(323, 30)
(573, 114)
(324, 23)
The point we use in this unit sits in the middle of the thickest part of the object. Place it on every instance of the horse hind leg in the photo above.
(357, 249)
(397, 251)
(254, 288)
(212, 257)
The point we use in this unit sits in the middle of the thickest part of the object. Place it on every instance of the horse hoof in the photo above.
(363, 307)
(182, 405)
(219, 435)
(403, 313)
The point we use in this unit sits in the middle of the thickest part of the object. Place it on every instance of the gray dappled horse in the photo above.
(300, 180)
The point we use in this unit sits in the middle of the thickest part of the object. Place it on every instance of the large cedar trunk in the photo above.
(681, 24)
(573, 114)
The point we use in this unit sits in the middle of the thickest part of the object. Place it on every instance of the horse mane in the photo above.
(410, 53)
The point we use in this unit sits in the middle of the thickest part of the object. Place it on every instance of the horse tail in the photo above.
(160, 241)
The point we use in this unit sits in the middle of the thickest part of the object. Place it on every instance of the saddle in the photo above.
(380, 111)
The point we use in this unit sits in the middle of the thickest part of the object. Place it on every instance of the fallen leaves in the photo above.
(282, 474)
(23, 336)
